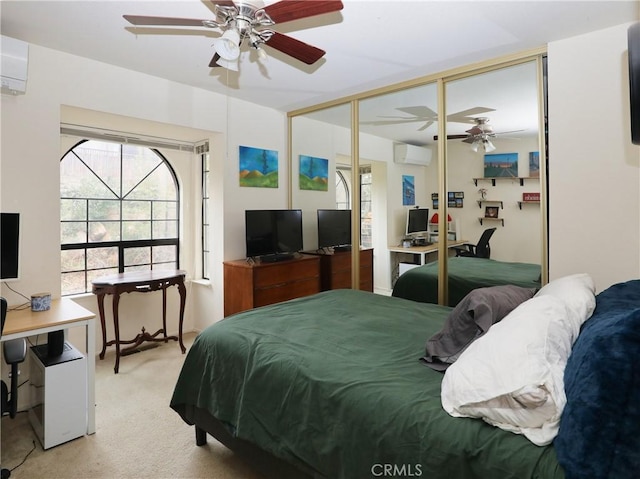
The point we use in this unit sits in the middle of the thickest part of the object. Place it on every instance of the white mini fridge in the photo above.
(58, 394)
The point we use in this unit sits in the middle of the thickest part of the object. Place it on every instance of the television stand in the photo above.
(249, 285)
(276, 257)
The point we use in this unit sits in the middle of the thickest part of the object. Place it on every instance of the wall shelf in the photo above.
(521, 179)
(520, 203)
(500, 202)
(481, 219)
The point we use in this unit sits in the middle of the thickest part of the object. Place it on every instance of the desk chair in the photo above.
(479, 250)
(14, 353)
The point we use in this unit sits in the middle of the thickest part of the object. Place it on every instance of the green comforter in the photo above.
(465, 274)
(333, 382)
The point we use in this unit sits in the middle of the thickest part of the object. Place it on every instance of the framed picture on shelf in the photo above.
(534, 164)
(491, 212)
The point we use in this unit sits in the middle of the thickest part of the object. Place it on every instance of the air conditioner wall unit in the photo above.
(14, 65)
(411, 154)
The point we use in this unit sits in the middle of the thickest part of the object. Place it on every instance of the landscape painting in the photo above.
(408, 190)
(534, 164)
(314, 173)
(501, 165)
(258, 167)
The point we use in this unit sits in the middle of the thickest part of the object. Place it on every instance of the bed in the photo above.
(465, 274)
(331, 386)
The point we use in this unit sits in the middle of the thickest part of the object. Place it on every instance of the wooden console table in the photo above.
(142, 282)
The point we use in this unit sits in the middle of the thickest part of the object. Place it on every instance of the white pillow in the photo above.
(512, 377)
(578, 293)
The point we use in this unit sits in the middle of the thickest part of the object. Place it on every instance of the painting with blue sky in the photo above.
(314, 173)
(258, 167)
(501, 165)
(408, 190)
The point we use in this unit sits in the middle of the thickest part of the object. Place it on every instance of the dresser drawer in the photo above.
(286, 291)
(276, 274)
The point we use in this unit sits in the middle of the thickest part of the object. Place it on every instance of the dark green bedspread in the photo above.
(333, 382)
(465, 274)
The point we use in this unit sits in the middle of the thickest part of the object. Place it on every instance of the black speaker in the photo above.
(55, 341)
(634, 81)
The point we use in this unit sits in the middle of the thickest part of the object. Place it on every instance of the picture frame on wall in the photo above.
(501, 165)
(408, 190)
(258, 167)
(313, 173)
(534, 164)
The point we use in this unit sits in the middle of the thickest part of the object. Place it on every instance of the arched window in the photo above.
(119, 211)
(342, 191)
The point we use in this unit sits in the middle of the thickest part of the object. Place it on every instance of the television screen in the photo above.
(417, 221)
(260, 233)
(334, 228)
(288, 231)
(10, 244)
(272, 232)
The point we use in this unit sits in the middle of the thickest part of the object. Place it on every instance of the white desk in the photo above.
(64, 314)
(423, 251)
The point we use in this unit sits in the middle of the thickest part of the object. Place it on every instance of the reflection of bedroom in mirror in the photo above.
(493, 111)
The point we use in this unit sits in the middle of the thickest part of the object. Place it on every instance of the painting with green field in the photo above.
(314, 173)
(501, 165)
(258, 167)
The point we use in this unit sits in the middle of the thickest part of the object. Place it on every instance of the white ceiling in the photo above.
(370, 43)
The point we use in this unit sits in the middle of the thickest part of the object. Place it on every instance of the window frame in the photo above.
(122, 245)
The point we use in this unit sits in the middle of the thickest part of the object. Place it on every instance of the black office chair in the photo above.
(14, 353)
(479, 250)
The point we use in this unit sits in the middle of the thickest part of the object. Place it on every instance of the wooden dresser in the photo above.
(248, 286)
(336, 270)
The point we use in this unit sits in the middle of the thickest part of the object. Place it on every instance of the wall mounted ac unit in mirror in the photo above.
(411, 154)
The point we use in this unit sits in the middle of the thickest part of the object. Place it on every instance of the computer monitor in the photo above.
(417, 222)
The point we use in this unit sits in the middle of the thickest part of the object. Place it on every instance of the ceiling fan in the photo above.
(242, 20)
(479, 135)
(428, 116)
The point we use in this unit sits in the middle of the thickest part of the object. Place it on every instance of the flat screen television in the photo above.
(417, 222)
(334, 229)
(10, 246)
(273, 235)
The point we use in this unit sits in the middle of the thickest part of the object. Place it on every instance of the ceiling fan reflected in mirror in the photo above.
(244, 22)
(479, 136)
(428, 116)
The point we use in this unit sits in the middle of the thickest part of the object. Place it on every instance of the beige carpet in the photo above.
(137, 434)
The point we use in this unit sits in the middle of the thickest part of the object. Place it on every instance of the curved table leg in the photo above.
(116, 329)
(183, 298)
(103, 324)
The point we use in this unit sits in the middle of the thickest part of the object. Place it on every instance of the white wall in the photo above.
(31, 150)
(594, 169)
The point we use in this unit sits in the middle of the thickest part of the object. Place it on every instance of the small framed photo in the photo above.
(491, 212)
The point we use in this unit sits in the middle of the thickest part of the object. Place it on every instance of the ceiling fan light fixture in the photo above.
(228, 64)
(488, 146)
(228, 46)
(475, 146)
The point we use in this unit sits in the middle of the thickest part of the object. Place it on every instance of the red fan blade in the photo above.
(178, 22)
(214, 61)
(288, 10)
(299, 50)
